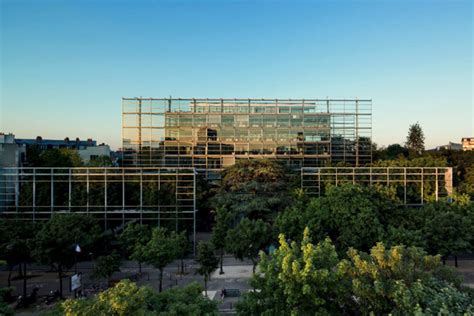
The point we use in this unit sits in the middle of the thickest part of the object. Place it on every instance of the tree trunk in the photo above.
(139, 267)
(444, 260)
(205, 285)
(60, 274)
(221, 271)
(20, 273)
(10, 275)
(456, 261)
(254, 266)
(182, 266)
(161, 280)
(24, 278)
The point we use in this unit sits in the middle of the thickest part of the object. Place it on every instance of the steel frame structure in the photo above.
(212, 134)
(161, 196)
(413, 185)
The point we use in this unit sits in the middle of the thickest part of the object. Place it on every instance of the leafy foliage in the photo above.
(160, 250)
(308, 279)
(415, 139)
(106, 265)
(126, 298)
(254, 188)
(208, 262)
(133, 238)
(219, 232)
(247, 239)
(56, 241)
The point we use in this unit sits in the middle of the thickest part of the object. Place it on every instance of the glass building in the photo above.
(211, 134)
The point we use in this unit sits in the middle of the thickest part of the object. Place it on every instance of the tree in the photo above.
(101, 161)
(208, 262)
(105, 266)
(126, 298)
(247, 239)
(254, 188)
(133, 238)
(160, 250)
(219, 233)
(401, 281)
(351, 215)
(56, 241)
(16, 243)
(297, 279)
(62, 157)
(448, 229)
(309, 279)
(182, 248)
(415, 139)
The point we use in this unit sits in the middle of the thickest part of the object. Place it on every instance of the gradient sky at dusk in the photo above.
(66, 64)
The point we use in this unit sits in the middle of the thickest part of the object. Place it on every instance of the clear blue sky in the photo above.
(66, 64)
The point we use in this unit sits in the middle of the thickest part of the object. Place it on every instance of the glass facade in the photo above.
(214, 133)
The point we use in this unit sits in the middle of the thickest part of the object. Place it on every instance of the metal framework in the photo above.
(412, 185)
(165, 197)
(212, 134)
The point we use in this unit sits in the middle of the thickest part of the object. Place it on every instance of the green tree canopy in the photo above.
(160, 250)
(56, 241)
(132, 239)
(255, 188)
(309, 279)
(207, 260)
(106, 265)
(126, 298)
(219, 232)
(247, 239)
(415, 139)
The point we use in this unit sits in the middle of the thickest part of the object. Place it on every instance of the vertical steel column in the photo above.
(194, 211)
(405, 186)
(52, 191)
(34, 194)
(176, 206)
(436, 183)
(69, 194)
(370, 176)
(357, 133)
(87, 191)
(17, 189)
(422, 178)
(105, 198)
(123, 196)
(159, 206)
(140, 127)
(141, 196)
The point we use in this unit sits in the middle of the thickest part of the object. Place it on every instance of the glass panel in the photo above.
(130, 120)
(282, 135)
(241, 120)
(283, 120)
(269, 134)
(255, 120)
(199, 120)
(241, 135)
(171, 120)
(227, 120)
(185, 120)
(269, 120)
(296, 120)
(255, 135)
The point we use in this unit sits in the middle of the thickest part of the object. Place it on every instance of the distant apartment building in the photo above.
(11, 154)
(210, 134)
(91, 153)
(467, 143)
(57, 143)
(449, 146)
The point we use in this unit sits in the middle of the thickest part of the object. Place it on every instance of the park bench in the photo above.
(232, 292)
